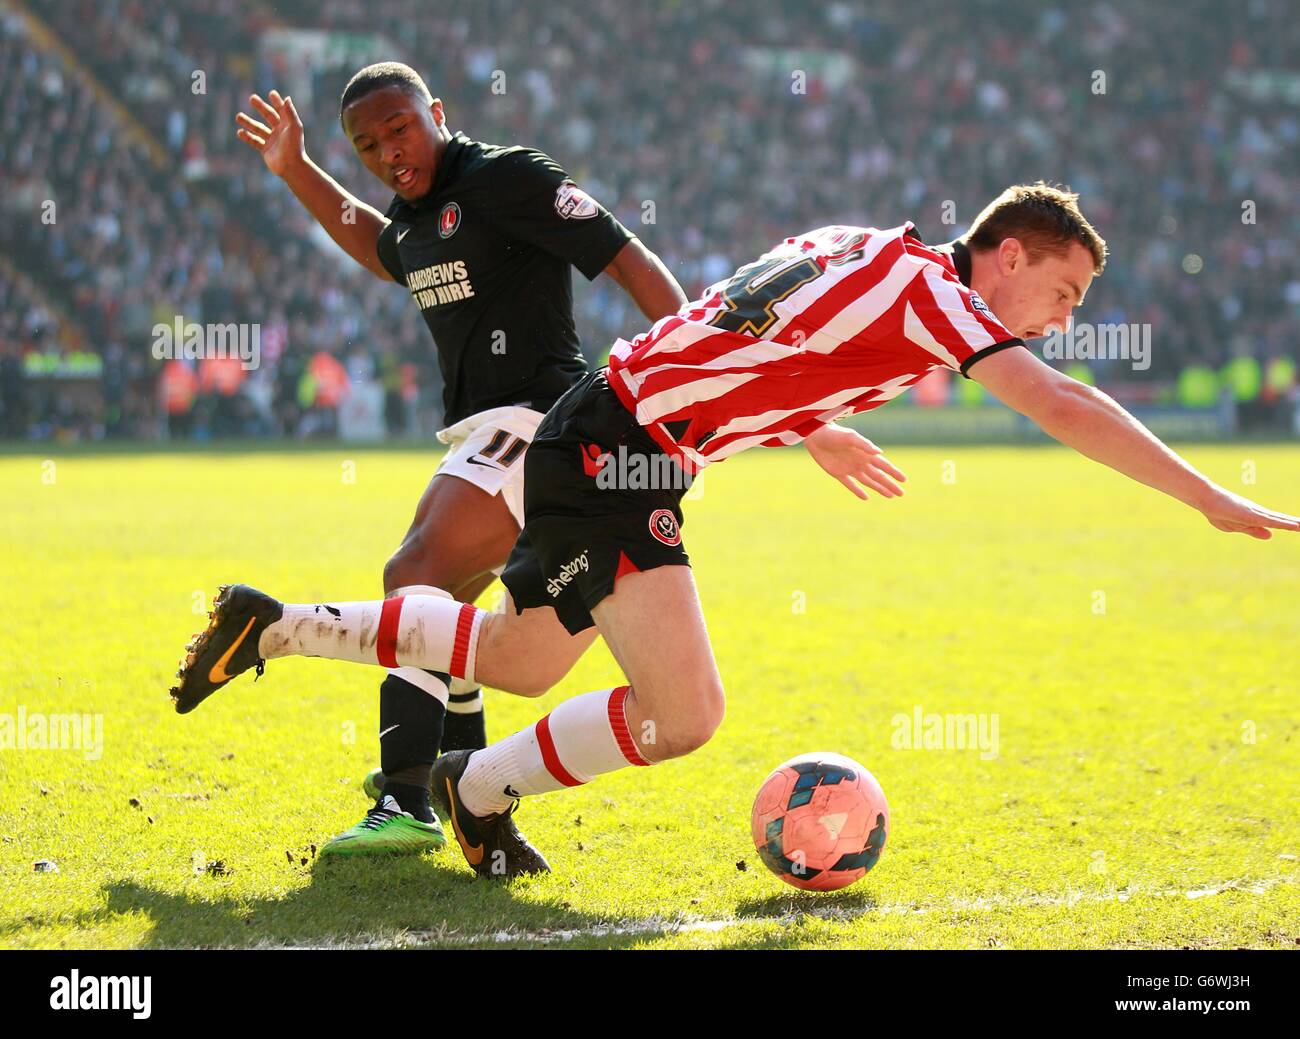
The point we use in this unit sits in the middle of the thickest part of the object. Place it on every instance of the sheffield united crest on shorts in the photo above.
(663, 525)
(448, 220)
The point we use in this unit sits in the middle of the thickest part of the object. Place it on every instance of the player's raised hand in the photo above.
(1237, 515)
(855, 461)
(277, 135)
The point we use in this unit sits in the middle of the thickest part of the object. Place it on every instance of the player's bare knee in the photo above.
(707, 719)
(403, 568)
(684, 736)
(689, 731)
(416, 562)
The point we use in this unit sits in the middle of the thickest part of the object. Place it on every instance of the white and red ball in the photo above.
(820, 821)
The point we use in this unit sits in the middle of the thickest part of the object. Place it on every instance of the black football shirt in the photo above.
(486, 257)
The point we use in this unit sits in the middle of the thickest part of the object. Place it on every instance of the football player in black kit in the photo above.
(483, 237)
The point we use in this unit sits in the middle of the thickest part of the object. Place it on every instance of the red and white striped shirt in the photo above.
(827, 324)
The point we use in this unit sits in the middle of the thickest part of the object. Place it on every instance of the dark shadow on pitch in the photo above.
(349, 901)
(827, 905)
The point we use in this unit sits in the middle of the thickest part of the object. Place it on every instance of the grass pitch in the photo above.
(1140, 669)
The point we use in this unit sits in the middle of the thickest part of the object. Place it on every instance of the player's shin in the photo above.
(426, 631)
(464, 727)
(411, 711)
(582, 738)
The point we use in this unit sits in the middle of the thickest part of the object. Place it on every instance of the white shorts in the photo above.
(487, 449)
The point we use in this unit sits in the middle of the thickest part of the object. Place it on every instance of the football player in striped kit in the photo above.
(828, 323)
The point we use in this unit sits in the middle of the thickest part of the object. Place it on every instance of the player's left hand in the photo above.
(855, 461)
(1234, 514)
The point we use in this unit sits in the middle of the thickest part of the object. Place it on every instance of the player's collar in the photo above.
(450, 157)
(960, 254)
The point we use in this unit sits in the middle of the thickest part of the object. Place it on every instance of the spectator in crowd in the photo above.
(712, 128)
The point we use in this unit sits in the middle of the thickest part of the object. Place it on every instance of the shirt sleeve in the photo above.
(949, 320)
(537, 202)
(388, 254)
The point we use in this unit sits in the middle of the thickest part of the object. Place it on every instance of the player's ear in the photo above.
(1011, 254)
(435, 106)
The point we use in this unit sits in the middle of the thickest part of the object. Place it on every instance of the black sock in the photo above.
(410, 798)
(464, 731)
(410, 721)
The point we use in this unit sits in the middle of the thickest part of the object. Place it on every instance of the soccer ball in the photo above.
(820, 821)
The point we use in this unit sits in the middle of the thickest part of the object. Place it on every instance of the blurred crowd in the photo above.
(712, 128)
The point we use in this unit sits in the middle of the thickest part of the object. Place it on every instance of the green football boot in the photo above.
(387, 830)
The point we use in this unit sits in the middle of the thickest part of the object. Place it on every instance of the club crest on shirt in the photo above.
(448, 220)
(572, 203)
(979, 304)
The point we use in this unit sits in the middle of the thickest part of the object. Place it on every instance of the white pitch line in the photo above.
(668, 927)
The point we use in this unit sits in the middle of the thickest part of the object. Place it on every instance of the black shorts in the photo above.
(601, 499)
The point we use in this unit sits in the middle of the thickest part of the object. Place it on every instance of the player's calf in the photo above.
(428, 631)
(464, 728)
(412, 712)
(582, 738)
(438, 551)
(520, 653)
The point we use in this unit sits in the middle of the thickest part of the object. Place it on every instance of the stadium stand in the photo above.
(712, 129)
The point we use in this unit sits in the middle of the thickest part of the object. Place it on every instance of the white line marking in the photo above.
(665, 927)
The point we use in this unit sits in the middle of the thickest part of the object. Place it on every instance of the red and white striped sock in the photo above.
(579, 740)
(426, 631)
(418, 676)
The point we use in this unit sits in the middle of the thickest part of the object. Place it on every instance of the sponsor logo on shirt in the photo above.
(572, 203)
(439, 283)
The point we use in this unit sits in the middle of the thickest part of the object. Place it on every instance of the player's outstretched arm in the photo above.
(278, 136)
(855, 461)
(1089, 421)
(643, 276)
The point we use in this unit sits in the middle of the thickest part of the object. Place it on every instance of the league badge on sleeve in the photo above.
(572, 203)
